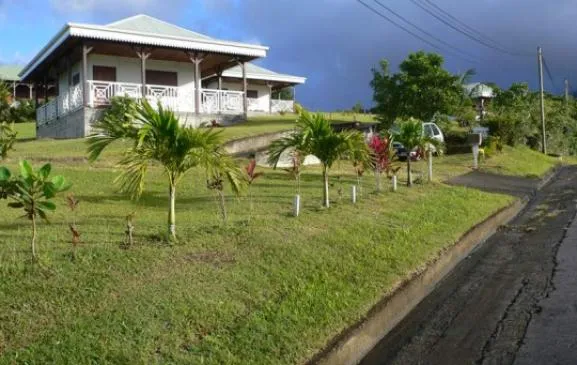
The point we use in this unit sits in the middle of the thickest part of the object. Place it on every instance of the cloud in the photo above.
(112, 9)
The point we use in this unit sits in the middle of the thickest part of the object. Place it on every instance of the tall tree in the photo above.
(421, 88)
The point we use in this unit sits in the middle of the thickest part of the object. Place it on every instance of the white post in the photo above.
(354, 194)
(297, 205)
(430, 163)
(475, 156)
(394, 180)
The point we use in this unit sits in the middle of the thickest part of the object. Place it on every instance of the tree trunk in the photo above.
(409, 175)
(378, 179)
(222, 206)
(326, 187)
(171, 212)
(250, 202)
(430, 164)
(33, 237)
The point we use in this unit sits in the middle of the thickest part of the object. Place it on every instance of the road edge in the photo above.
(354, 343)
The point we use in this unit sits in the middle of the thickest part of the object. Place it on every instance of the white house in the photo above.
(199, 77)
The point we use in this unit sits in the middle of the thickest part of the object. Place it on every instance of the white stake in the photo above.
(475, 156)
(394, 182)
(354, 194)
(297, 205)
(430, 162)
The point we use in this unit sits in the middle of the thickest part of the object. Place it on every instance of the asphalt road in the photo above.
(513, 301)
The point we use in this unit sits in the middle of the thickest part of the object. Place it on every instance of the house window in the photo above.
(76, 79)
(104, 73)
(164, 78)
(253, 94)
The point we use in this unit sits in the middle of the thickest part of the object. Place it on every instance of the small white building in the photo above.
(199, 77)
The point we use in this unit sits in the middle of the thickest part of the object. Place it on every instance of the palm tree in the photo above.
(156, 136)
(411, 136)
(314, 135)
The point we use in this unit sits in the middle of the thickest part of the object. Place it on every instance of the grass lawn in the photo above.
(25, 130)
(520, 161)
(265, 289)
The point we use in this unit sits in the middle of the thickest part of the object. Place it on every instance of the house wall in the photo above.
(128, 69)
(262, 104)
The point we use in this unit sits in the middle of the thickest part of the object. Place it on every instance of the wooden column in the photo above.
(45, 98)
(219, 75)
(30, 87)
(85, 89)
(13, 91)
(244, 90)
(197, 58)
(269, 97)
(36, 101)
(143, 54)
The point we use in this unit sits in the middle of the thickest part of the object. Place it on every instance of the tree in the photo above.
(156, 136)
(421, 88)
(294, 145)
(32, 191)
(7, 139)
(412, 138)
(314, 135)
(358, 108)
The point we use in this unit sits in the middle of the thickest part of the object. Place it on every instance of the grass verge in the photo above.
(266, 289)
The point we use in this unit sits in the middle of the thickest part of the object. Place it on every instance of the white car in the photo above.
(431, 130)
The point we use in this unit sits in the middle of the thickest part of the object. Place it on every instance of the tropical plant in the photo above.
(156, 135)
(222, 168)
(32, 191)
(7, 139)
(314, 135)
(381, 148)
(251, 176)
(411, 136)
(292, 144)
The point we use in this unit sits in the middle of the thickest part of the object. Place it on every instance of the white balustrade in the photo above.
(215, 101)
(254, 105)
(278, 106)
(172, 97)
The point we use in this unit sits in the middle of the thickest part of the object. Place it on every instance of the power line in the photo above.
(463, 24)
(467, 34)
(549, 74)
(422, 30)
(411, 32)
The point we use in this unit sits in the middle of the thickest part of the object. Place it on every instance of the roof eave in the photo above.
(278, 78)
(103, 33)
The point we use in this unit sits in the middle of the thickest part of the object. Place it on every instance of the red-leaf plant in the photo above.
(251, 177)
(381, 156)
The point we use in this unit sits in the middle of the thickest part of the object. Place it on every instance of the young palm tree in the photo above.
(314, 135)
(412, 138)
(156, 136)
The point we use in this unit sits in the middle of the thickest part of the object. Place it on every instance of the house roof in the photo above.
(10, 72)
(146, 24)
(148, 31)
(478, 90)
(256, 72)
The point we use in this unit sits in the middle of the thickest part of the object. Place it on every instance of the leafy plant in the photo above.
(412, 138)
(294, 144)
(220, 168)
(381, 156)
(251, 176)
(314, 135)
(32, 191)
(7, 139)
(157, 136)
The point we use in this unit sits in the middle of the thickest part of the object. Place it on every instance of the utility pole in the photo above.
(542, 94)
(567, 90)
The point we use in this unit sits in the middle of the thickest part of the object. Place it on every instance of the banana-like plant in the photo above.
(32, 191)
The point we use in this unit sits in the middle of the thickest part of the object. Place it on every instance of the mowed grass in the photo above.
(520, 161)
(266, 289)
